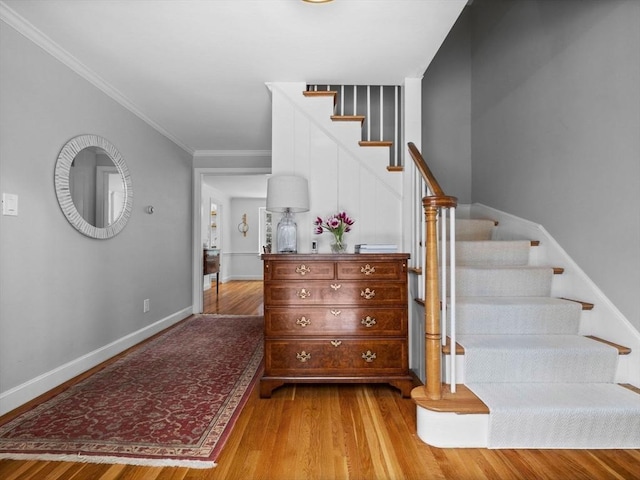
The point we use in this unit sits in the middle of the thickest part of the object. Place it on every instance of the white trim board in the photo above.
(14, 397)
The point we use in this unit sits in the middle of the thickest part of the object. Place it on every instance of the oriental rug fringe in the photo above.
(172, 401)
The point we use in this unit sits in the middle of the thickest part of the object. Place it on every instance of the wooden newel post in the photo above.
(433, 330)
(433, 333)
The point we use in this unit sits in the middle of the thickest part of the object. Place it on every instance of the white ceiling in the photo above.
(196, 69)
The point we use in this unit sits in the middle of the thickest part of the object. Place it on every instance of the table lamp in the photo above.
(287, 194)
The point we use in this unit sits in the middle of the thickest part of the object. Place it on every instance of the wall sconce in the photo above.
(243, 227)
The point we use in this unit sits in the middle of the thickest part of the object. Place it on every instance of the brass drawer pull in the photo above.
(368, 269)
(335, 313)
(336, 343)
(368, 321)
(304, 293)
(303, 321)
(369, 356)
(304, 356)
(368, 293)
(303, 270)
(336, 286)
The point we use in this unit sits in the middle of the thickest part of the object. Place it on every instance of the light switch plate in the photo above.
(9, 204)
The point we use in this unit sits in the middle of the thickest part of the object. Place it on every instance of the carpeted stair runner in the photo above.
(516, 315)
(537, 358)
(561, 415)
(545, 385)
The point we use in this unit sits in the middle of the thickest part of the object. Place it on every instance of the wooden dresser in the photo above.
(335, 318)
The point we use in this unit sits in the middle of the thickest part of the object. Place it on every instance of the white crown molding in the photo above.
(25, 28)
(232, 153)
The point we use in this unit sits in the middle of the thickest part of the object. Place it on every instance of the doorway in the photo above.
(233, 190)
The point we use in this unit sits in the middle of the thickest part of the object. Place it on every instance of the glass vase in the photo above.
(338, 247)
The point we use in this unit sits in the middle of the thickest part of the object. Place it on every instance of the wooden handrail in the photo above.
(433, 332)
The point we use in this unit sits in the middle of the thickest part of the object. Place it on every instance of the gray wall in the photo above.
(63, 295)
(555, 129)
(446, 113)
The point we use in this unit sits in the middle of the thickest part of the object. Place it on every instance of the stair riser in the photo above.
(516, 319)
(508, 282)
(552, 367)
(492, 253)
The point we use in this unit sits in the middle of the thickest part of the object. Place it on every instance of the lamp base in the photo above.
(286, 234)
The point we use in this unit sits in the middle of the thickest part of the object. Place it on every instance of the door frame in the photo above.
(198, 177)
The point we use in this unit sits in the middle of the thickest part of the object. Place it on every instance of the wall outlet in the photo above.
(145, 306)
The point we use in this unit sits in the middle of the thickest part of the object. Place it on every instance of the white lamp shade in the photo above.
(287, 193)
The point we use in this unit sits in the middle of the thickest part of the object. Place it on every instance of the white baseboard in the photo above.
(14, 397)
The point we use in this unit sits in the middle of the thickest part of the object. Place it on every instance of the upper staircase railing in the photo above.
(436, 279)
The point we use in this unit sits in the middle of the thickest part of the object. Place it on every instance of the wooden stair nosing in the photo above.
(463, 402)
(348, 118)
(585, 305)
(375, 143)
(322, 93)
(622, 350)
(420, 301)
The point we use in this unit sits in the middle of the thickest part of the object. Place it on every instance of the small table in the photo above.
(212, 264)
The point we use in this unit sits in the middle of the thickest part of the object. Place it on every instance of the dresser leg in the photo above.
(405, 387)
(267, 386)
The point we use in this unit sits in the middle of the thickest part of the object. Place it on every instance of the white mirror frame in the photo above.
(63, 192)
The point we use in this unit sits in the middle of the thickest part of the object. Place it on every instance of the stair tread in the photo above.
(527, 342)
(514, 301)
(568, 395)
(375, 143)
(465, 401)
(348, 118)
(531, 342)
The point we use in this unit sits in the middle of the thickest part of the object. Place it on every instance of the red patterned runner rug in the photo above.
(172, 401)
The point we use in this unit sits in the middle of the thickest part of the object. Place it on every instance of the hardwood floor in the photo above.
(234, 298)
(341, 432)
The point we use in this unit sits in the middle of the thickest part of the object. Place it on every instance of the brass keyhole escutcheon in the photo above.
(368, 269)
(368, 321)
(304, 293)
(368, 294)
(369, 356)
(303, 270)
(303, 321)
(303, 356)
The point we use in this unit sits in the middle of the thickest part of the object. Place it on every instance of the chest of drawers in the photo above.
(335, 318)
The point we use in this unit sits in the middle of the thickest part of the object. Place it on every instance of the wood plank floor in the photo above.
(234, 298)
(320, 432)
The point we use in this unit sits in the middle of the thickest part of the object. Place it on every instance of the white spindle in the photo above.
(452, 296)
(443, 274)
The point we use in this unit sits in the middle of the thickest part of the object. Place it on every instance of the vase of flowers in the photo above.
(337, 224)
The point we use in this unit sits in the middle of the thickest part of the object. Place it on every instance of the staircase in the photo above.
(356, 119)
(526, 376)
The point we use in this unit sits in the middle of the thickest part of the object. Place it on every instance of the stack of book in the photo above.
(376, 248)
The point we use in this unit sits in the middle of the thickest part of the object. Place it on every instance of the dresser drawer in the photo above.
(314, 321)
(369, 269)
(299, 270)
(336, 357)
(335, 293)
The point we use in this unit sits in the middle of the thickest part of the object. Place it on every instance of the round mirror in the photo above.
(93, 186)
